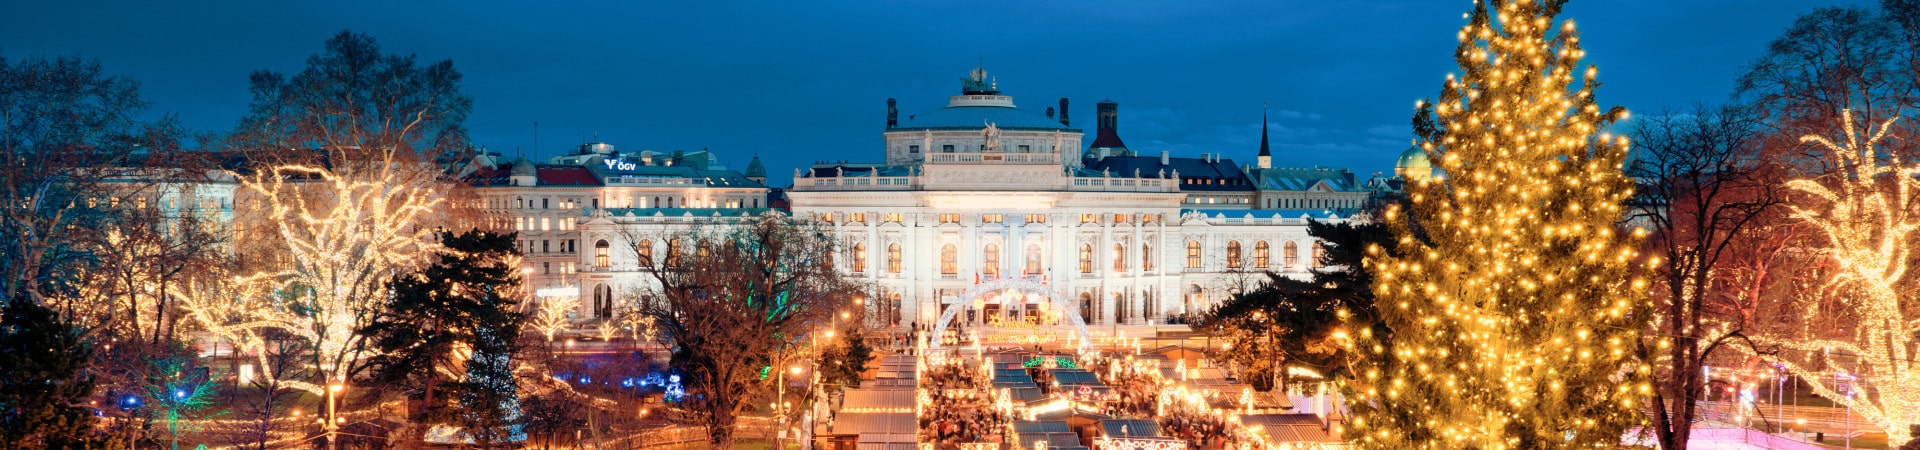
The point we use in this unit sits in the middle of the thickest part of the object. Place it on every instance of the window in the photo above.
(601, 258)
(1146, 257)
(859, 257)
(893, 258)
(543, 203)
(646, 252)
(949, 218)
(993, 218)
(1089, 218)
(1260, 253)
(1120, 218)
(1086, 258)
(1024, 148)
(544, 246)
(1033, 260)
(703, 250)
(990, 260)
(824, 217)
(1291, 255)
(1319, 253)
(946, 148)
(1193, 254)
(949, 260)
(1233, 254)
(673, 254)
(1036, 218)
(913, 149)
(1119, 257)
(891, 217)
(857, 217)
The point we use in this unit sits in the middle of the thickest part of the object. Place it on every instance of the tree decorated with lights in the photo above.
(1861, 321)
(1510, 309)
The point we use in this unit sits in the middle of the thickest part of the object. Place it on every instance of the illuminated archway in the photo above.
(1059, 300)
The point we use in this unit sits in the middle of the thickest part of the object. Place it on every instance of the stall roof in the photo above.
(870, 423)
(878, 398)
(1132, 428)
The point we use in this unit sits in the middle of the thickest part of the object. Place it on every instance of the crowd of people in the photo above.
(959, 412)
(1200, 431)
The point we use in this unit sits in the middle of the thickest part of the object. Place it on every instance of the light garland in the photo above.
(1864, 220)
(1513, 316)
(346, 231)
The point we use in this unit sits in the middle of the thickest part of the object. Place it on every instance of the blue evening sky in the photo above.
(798, 82)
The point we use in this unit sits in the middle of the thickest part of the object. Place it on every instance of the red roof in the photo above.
(566, 176)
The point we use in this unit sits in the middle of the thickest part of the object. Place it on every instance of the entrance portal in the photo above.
(1010, 305)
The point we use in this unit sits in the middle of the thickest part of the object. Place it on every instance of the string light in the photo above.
(346, 230)
(1863, 220)
(1511, 317)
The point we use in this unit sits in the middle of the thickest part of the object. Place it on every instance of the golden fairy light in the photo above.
(345, 231)
(1863, 218)
(1512, 312)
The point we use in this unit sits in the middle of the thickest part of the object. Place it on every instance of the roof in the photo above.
(1294, 179)
(755, 169)
(1041, 426)
(1196, 174)
(977, 117)
(1134, 428)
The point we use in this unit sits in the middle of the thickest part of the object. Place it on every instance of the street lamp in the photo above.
(333, 427)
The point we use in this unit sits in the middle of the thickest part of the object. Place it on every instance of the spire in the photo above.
(1265, 158)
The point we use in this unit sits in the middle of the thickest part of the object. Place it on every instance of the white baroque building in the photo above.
(982, 190)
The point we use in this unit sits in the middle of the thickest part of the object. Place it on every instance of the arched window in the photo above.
(990, 260)
(673, 254)
(645, 249)
(1319, 253)
(703, 250)
(859, 257)
(1292, 254)
(1260, 254)
(601, 259)
(1233, 254)
(1193, 254)
(602, 302)
(893, 258)
(1119, 257)
(1086, 258)
(1033, 259)
(1146, 257)
(949, 260)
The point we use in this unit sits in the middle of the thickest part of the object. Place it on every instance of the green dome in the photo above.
(1413, 158)
(1413, 164)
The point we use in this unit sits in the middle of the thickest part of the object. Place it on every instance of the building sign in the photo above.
(615, 164)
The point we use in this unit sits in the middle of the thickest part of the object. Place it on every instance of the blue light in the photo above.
(179, 393)
(132, 400)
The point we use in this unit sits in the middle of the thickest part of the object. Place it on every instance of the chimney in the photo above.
(893, 115)
(1049, 112)
(1107, 118)
(1165, 158)
(1063, 113)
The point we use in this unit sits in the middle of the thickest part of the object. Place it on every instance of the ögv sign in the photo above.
(615, 164)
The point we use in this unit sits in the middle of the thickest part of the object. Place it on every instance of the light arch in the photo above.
(1067, 306)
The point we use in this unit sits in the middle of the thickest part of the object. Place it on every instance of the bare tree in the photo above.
(737, 301)
(1702, 193)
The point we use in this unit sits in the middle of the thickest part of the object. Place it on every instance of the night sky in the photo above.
(799, 82)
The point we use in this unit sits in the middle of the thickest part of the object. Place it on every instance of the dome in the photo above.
(1413, 164)
(523, 167)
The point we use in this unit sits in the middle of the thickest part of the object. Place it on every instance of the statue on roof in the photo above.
(992, 135)
(977, 83)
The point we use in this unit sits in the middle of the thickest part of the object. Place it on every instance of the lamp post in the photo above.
(333, 426)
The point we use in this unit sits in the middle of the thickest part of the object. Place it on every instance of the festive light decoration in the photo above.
(1513, 300)
(554, 314)
(346, 230)
(1863, 218)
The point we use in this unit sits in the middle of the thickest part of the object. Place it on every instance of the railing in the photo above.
(1124, 184)
(993, 158)
(855, 183)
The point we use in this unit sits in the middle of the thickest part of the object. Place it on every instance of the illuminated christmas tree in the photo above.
(1508, 316)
